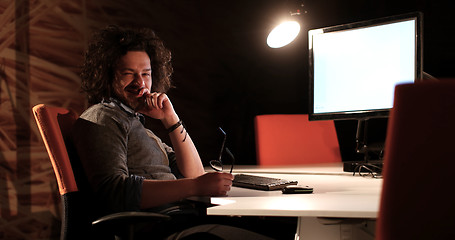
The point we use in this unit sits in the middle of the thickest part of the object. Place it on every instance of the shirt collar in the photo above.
(126, 109)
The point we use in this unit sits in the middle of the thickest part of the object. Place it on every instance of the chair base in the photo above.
(363, 167)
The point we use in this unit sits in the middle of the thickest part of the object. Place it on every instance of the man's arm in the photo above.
(159, 192)
(196, 181)
(188, 160)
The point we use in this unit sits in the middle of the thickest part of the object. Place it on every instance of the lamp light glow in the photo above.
(283, 34)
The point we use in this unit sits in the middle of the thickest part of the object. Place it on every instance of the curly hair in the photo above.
(108, 46)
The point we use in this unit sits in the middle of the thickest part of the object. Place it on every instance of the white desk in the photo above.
(342, 206)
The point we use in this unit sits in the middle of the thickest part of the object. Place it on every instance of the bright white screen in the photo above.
(357, 70)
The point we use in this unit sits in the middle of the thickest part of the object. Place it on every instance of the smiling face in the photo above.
(133, 77)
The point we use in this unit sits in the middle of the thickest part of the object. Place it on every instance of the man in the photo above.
(125, 76)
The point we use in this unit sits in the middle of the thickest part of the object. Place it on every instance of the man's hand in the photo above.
(157, 106)
(214, 184)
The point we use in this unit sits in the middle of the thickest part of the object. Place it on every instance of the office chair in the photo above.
(291, 139)
(417, 200)
(55, 125)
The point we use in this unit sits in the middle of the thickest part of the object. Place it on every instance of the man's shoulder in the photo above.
(101, 120)
(104, 112)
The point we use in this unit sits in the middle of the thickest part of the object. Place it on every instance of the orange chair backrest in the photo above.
(54, 124)
(291, 139)
(417, 200)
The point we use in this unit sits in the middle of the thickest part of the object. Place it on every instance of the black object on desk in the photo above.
(260, 182)
(295, 189)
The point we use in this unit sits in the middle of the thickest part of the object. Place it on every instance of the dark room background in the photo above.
(224, 76)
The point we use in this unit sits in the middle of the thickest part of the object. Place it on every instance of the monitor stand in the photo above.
(372, 153)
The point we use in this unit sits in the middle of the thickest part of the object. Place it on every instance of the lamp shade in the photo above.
(283, 34)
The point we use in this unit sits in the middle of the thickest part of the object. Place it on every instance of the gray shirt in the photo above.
(117, 153)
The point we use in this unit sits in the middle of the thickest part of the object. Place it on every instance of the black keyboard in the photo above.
(260, 183)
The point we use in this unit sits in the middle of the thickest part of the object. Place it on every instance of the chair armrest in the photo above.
(127, 218)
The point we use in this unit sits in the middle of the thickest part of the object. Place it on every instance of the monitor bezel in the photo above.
(372, 113)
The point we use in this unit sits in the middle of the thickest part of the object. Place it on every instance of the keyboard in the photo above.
(260, 183)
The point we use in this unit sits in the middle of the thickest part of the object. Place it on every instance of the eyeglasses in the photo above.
(217, 165)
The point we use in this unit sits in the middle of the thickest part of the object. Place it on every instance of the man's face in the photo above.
(133, 77)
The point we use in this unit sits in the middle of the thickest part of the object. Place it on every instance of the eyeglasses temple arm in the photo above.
(232, 157)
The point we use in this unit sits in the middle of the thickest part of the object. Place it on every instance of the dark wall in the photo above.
(225, 74)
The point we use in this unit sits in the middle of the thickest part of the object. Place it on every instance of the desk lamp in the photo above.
(286, 31)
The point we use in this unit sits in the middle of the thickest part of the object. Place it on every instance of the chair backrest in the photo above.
(417, 200)
(55, 124)
(291, 139)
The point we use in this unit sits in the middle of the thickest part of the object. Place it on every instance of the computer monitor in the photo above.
(354, 67)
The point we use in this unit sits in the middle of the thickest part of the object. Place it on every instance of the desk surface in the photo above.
(336, 194)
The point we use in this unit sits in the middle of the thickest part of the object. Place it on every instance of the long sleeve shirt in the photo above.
(117, 153)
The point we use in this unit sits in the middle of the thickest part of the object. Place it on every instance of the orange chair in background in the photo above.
(291, 139)
(417, 200)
